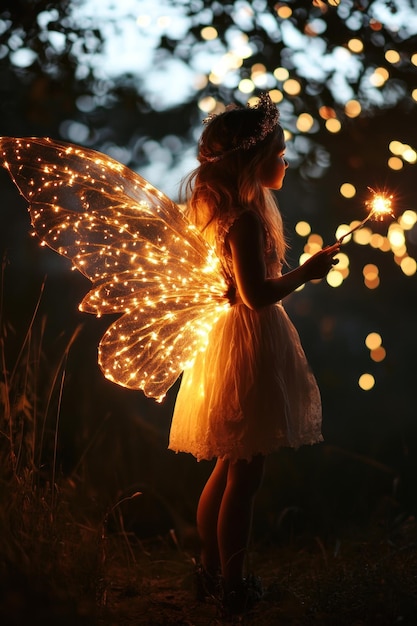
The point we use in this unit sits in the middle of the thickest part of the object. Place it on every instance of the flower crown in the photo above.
(266, 125)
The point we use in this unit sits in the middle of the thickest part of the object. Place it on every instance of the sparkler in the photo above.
(380, 206)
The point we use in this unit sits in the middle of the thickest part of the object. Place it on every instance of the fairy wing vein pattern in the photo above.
(145, 259)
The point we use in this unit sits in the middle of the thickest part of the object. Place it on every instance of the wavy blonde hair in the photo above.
(230, 184)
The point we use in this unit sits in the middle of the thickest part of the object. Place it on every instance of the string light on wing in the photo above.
(146, 261)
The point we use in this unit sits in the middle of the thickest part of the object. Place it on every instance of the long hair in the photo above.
(229, 183)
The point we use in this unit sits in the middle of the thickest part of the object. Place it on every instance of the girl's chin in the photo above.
(277, 186)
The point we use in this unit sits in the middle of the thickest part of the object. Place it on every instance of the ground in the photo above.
(361, 579)
(361, 576)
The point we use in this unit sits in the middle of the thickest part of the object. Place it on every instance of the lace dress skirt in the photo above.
(251, 392)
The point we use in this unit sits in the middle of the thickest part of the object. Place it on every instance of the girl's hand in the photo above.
(321, 263)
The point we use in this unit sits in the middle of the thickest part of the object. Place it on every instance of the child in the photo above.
(251, 392)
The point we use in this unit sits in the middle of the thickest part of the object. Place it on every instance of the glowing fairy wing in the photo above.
(144, 258)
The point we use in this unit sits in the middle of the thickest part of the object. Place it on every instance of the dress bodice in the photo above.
(273, 262)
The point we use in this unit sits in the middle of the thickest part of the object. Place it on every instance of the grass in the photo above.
(66, 558)
(362, 579)
(55, 534)
(41, 564)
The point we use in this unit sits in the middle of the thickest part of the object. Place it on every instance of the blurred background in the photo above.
(135, 79)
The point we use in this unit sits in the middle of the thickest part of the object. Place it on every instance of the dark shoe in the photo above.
(207, 586)
(243, 599)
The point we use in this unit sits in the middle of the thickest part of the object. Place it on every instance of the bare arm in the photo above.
(246, 240)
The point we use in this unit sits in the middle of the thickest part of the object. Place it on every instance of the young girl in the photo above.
(251, 392)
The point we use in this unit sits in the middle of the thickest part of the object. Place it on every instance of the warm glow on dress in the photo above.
(147, 263)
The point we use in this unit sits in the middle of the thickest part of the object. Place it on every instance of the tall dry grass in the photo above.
(49, 559)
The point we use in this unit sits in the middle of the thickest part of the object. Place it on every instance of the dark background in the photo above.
(112, 441)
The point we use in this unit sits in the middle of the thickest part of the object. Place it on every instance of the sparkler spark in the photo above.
(380, 205)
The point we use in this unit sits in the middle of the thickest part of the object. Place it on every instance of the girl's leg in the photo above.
(207, 516)
(235, 518)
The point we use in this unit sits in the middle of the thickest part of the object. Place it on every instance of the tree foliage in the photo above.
(324, 61)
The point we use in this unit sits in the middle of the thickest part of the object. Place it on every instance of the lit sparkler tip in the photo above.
(380, 204)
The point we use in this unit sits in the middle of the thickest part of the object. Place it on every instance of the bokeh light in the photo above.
(392, 56)
(371, 276)
(408, 219)
(373, 341)
(333, 125)
(305, 122)
(348, 190)
(208, 104)
(378, 354)
(246, 85)
(276, 95)
(353, 108)
(408, 265)
(334, 278)
(303, 228)
(283, 10)
(292, 87)
(379, 77)
(281, 74)
(209, 33)
(362, 236)
(366, 382)
(395, 163)
(355, 45)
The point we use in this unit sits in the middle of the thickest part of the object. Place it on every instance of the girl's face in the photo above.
(274, 166)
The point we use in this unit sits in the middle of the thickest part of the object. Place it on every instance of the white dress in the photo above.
(252, 390)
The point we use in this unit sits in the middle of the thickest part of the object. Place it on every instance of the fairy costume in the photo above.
(251, 391)
(246, 388)
(146, 262)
